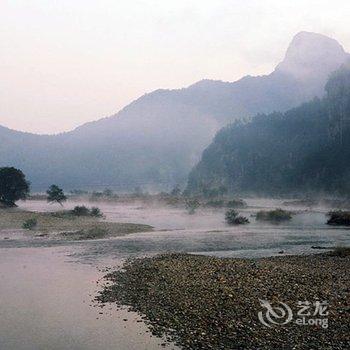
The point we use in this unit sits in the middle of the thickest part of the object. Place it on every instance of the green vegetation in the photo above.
(30, 224)
(13, 186)
(96, 212)
(232, 218)
(276, 215)
(67, 225)
(339, 217)
(192, 205)
(55, 194)
(84, 211)
(306, 149)
(79, 210)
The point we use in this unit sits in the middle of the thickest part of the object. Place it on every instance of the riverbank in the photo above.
(57, 226)
(204, 302)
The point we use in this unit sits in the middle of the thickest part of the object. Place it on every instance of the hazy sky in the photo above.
(66, 62)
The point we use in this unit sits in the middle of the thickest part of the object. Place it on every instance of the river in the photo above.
(47, 287)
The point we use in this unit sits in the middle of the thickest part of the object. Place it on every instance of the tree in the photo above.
(55, 194)
(338, 94)
(176, 191)
(13, 186)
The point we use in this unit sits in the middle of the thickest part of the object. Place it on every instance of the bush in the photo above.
(30, 224)
(276, 215)
(232, 218)
(339, 217)
(81, 211)
(96, 212)
(236, 203)
(84, 211)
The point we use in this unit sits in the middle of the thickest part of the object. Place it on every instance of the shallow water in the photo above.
(206, 231)
(46, 303)
(46, 287)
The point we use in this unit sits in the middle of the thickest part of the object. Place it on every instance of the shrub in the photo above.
(236, 203)
(232, 218)
(30, 224)
(96, 212)
(339, 217)
(276, 215)
(81, 211)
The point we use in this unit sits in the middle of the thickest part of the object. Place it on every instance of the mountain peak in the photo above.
(310, 54)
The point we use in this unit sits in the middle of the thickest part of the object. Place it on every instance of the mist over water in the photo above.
(207, 232)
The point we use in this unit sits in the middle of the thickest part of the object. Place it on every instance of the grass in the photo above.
(91, 233)
(60, 222)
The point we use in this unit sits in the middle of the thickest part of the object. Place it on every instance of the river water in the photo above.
(47, 287)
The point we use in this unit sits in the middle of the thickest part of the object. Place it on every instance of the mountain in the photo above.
(156, 140)
(306, 149)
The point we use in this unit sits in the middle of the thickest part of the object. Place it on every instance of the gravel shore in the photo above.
(210, 303)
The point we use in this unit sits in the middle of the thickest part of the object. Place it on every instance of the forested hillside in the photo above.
(305, 149)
